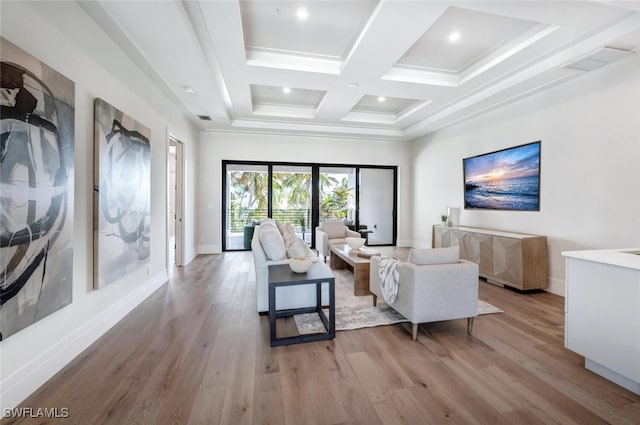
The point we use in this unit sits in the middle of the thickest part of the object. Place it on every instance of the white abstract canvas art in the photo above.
(122, 182)
(36, 189)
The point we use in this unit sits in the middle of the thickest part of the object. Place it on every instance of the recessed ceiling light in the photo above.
(190, 90)
(353, 85)
(302, 14)
(381, 99)
(286, 90)
(455, 36)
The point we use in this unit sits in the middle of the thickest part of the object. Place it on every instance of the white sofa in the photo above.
(332, 232)
(263, 256)
(434, 291)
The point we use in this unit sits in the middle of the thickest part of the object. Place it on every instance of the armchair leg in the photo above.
(414, 331)
(469, 325)
(375, 300)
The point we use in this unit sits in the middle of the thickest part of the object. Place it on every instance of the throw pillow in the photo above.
(334, 229)
(272, 243)
(434, 256)
(268, 222)
(299, 249)
(288, 233)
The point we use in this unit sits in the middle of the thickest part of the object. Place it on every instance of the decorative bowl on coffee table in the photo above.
(355, 243)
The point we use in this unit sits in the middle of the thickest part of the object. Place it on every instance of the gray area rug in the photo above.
(358, 312)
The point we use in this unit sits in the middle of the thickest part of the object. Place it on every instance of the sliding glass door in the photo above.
(337, 193)
(247, 201)
(305, 195)
(292, 198)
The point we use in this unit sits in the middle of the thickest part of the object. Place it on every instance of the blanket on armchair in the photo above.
(389, 277)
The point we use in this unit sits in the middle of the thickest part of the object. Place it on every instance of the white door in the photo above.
(376, 202)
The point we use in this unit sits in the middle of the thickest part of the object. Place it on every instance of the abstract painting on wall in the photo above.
(36, 189)
(122, 195)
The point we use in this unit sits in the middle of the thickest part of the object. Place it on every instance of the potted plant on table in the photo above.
(444, 218)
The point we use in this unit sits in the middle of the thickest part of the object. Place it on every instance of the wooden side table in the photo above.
(281, 275)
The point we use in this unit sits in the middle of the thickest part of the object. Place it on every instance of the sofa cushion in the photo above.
(334, 228)
(287, 232)
(272, 243)
(423, 257)
(299, 249)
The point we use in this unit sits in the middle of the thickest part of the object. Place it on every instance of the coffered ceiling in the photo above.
(389, 70)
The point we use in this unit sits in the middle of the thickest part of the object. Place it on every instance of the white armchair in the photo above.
(332, 232)
(432, 292)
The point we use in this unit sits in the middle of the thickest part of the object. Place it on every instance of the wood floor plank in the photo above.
(196, 352)
(267, 402)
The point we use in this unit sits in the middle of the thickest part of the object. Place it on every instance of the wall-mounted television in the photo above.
(508, 179)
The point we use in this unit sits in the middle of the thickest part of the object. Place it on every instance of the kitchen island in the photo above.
(602, 312)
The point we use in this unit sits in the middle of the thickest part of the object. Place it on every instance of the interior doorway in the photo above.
(175, 202)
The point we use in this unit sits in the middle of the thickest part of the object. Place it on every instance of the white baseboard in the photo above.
(556, 286)
(188, 260)
(23, 382)
(209, 249)
(404, 243)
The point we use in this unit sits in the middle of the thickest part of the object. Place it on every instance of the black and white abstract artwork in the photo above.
(122, 195)
(36, 189)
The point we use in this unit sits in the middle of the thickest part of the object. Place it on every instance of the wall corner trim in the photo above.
(556, 286)
(20, 384)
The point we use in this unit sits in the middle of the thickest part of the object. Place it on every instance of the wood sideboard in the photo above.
(512, 259)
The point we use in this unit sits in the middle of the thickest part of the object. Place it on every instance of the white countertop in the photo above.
(488, 231)
(616, 257)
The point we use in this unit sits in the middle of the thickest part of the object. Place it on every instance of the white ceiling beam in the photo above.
(224, 24)
(201, 32)
(373, 54)
(291, 62)
(319, 129)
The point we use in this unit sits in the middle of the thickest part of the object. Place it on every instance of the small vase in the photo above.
(444, 224)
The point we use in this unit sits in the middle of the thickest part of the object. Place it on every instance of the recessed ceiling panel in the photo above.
(386, 105)
(460, 38)
(268, 95)
(329, 29)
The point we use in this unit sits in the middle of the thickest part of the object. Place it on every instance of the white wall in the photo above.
(218, 146)
(590, 180)
(61, 35)
(190, 223)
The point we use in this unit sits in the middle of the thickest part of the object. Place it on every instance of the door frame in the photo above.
(178, 217)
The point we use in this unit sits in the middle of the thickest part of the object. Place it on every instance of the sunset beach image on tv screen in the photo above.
(504, 180)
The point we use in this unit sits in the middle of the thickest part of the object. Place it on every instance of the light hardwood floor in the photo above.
(196, 352)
